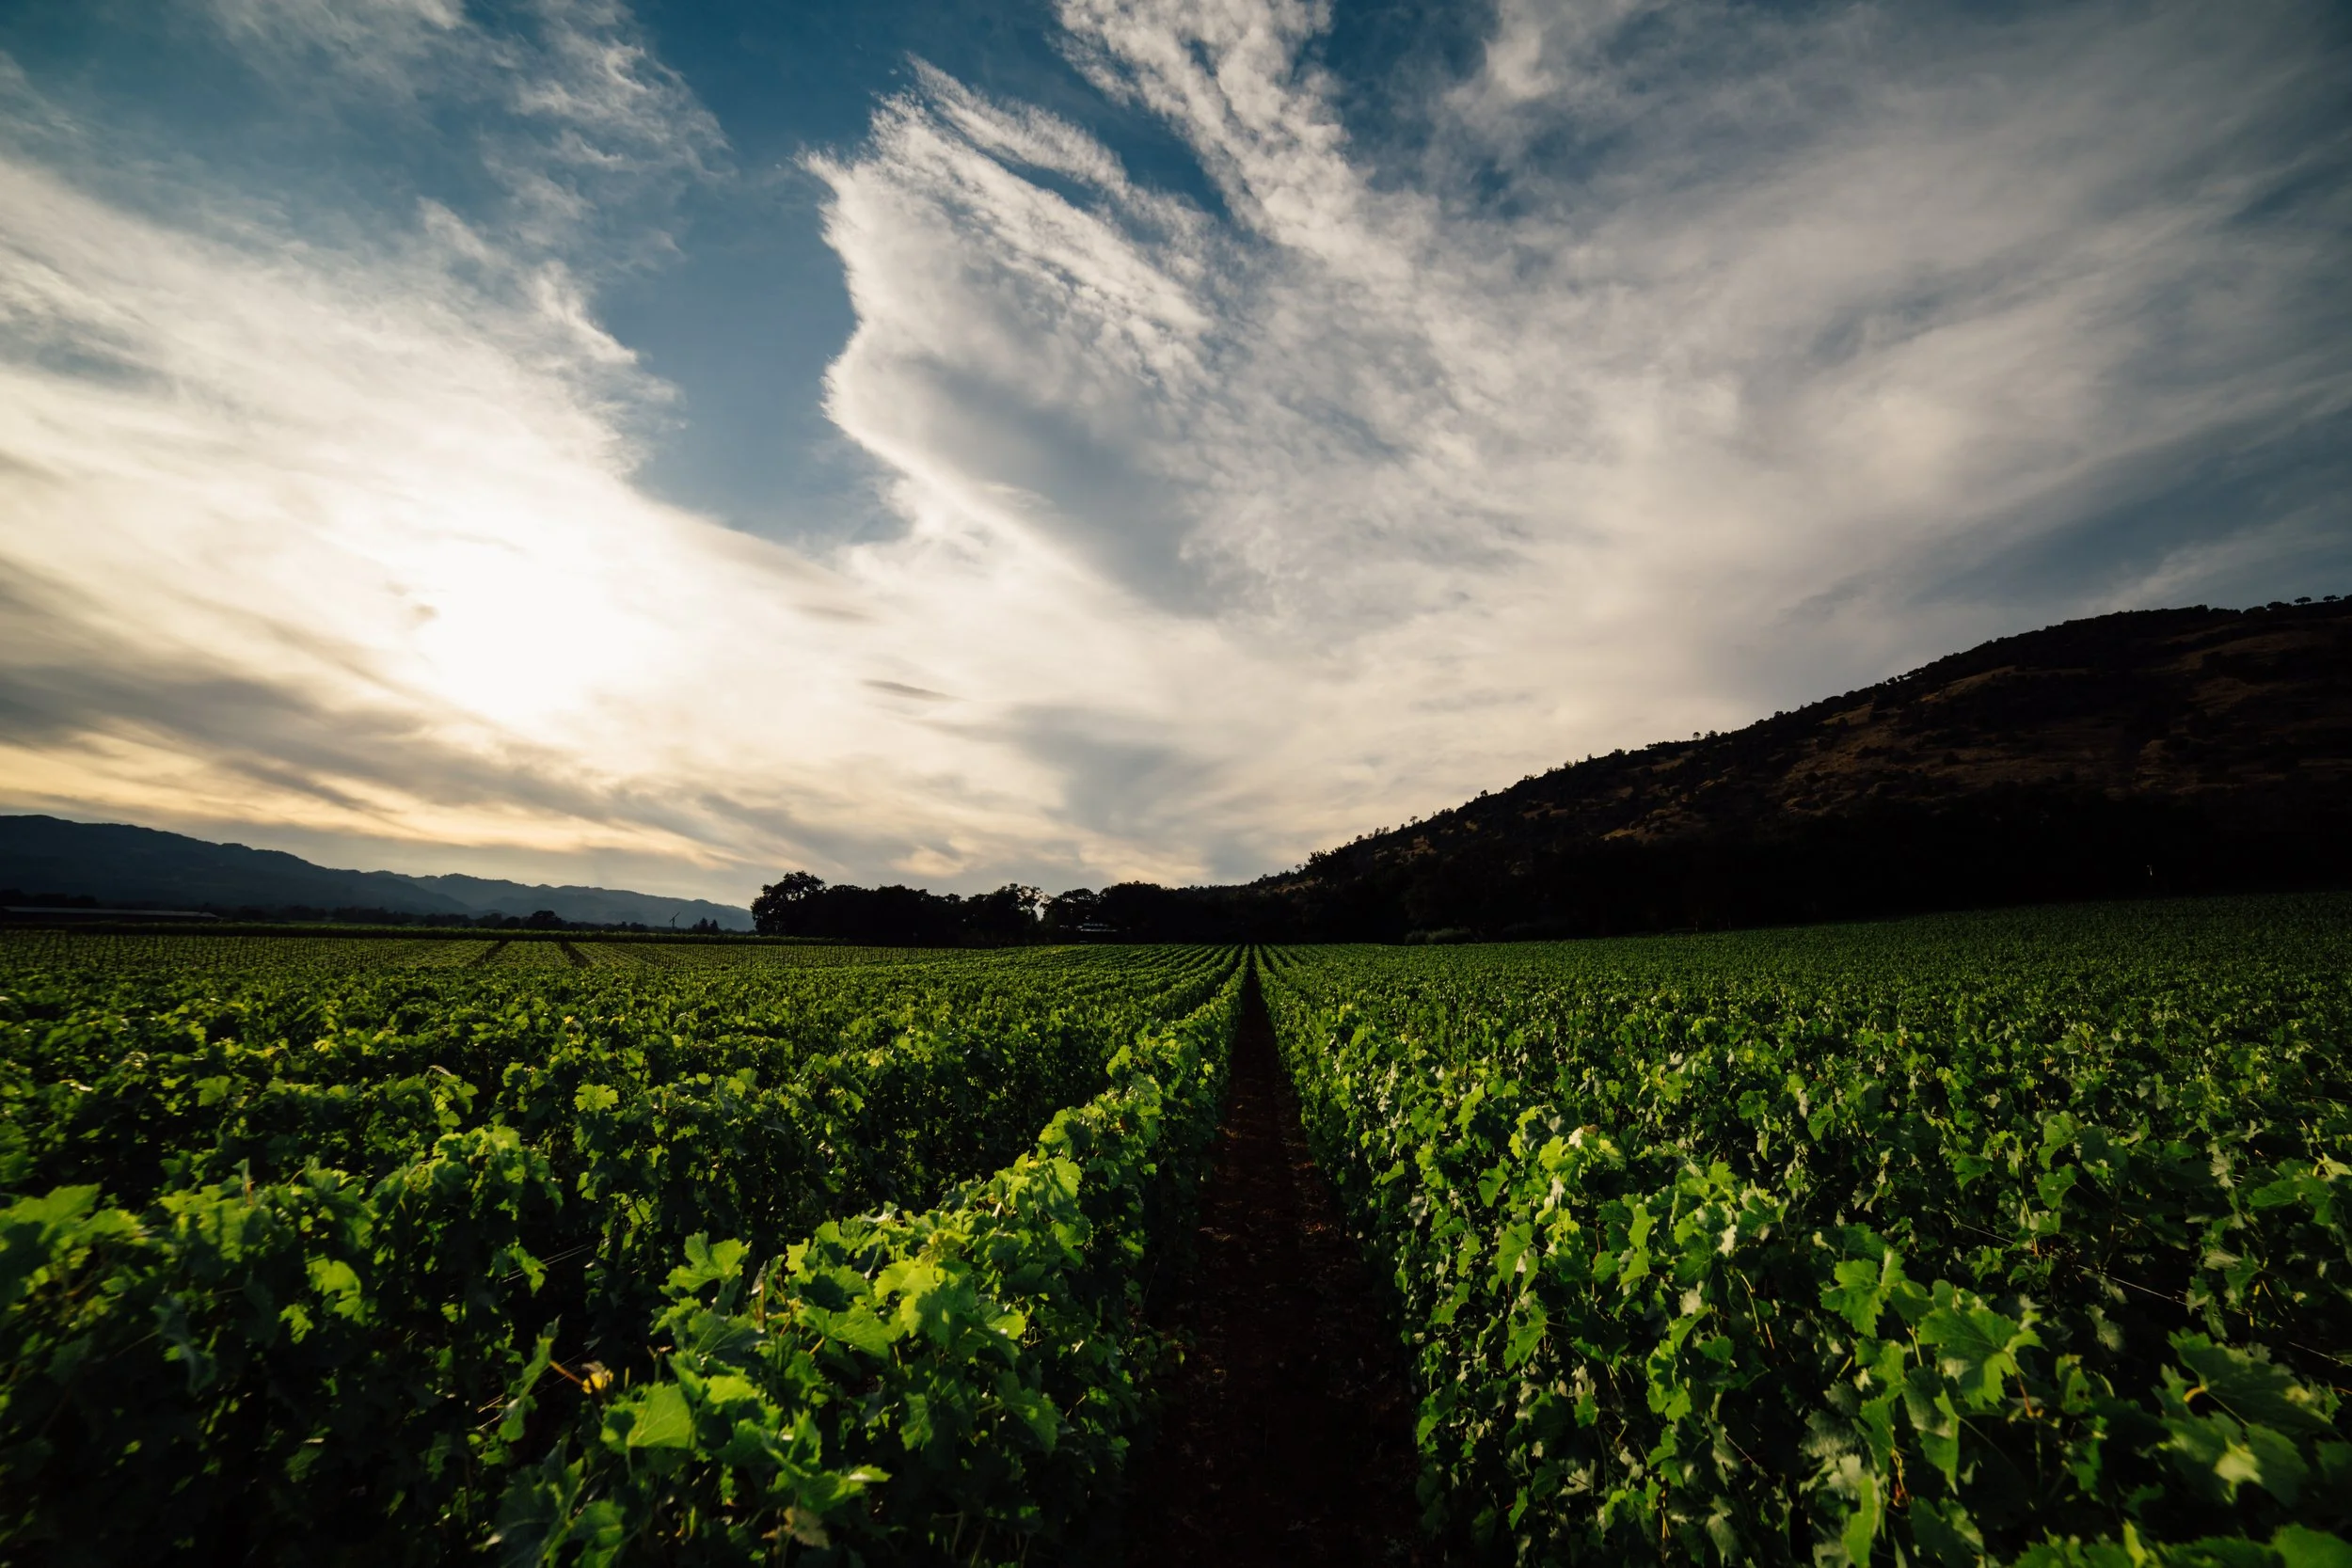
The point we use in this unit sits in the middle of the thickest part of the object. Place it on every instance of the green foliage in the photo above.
(1997, 1239)
(321, 1259)
(954, 1384)
(244, 1363)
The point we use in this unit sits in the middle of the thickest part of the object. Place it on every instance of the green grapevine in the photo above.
(301, 1236)
(1985, 1239)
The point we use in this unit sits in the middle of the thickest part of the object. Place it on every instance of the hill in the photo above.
(44, 858)
(2149, 753)
(592, 906)
(2174, 750)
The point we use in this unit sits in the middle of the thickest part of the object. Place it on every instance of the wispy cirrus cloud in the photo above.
(1675, 362)
(1693, 356)
(380, 41)
(340, 540)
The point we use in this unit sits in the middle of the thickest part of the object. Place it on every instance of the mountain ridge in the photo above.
(118, 863)
(2148, 750)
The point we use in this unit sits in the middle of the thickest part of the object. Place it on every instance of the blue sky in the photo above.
(664, 445)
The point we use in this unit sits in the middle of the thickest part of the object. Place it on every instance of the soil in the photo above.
(1288, 1437)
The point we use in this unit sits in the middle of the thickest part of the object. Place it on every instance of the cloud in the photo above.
(1677, 317)
(380, 43)
(322, 544)
(562, 109)
(1681, 361)
(346, 542)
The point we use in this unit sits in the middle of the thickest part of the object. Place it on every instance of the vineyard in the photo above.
(392, 1251)
(2015, 1238)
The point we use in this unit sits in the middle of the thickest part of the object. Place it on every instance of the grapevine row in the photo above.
(291, 1238)
(2015, 1238)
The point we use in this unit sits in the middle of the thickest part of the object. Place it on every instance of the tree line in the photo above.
(802, 903)
(2008, 846)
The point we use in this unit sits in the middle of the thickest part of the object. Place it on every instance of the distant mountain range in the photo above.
(2149, 752)
(127, 867)
(2172, 750)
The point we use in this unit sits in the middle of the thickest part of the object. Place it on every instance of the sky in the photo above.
(1068, 442)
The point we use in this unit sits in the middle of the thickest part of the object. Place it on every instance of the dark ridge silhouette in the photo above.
(2148, 753)
(112, 865)
(2153, 753)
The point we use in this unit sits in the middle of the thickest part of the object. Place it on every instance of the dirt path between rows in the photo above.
(1289, 1434)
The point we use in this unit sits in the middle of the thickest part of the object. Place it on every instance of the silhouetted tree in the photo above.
(801, 905)
(1007, 914)
(1066, 912)
(781, 904)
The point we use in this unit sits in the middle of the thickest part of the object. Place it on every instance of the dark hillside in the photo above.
(44, 859)
(2175, 751)
(116, 864)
